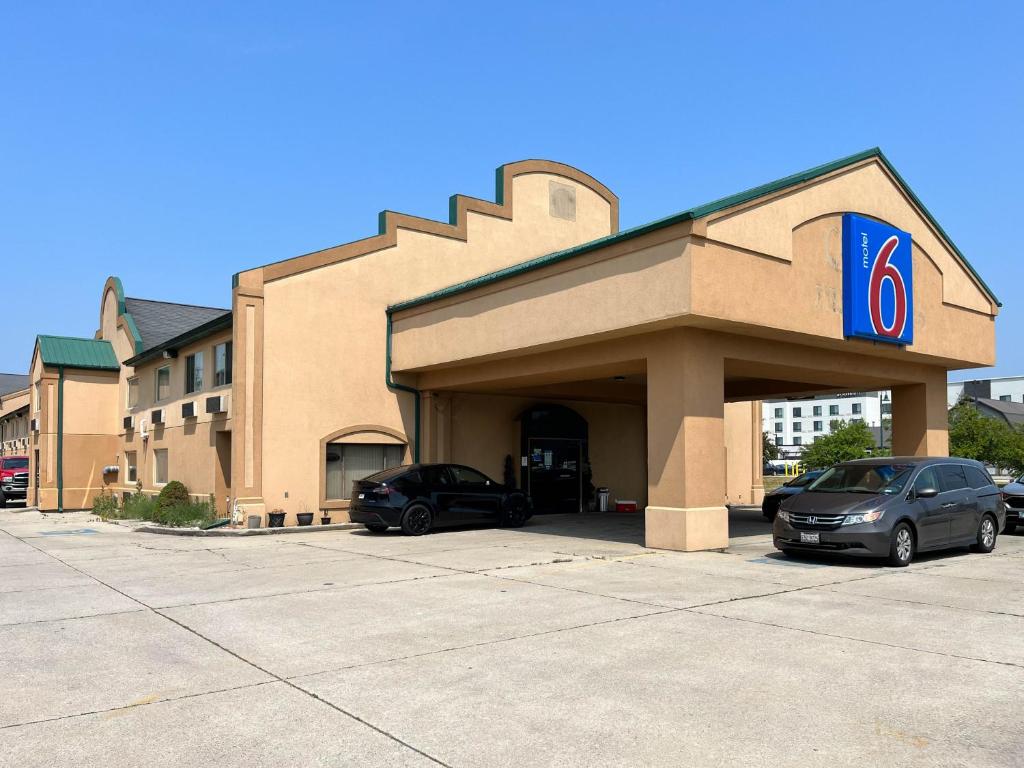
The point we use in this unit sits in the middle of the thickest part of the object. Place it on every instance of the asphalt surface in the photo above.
(563, 643)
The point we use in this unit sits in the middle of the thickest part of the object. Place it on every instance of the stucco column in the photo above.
(757, 453)
(920, 423)
(686, 445)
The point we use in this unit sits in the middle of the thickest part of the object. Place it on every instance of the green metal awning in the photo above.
(73, 352)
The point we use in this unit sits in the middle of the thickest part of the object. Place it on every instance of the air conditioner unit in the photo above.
(157, 416)
(129, 422)
(143, 432)
(217, 404)
(188, 410)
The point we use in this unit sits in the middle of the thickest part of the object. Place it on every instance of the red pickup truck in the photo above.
(13, 479)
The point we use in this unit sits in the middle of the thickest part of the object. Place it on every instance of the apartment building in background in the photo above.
(795, 423)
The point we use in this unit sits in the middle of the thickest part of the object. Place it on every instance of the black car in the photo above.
(893, 508)
(419, 496)
(1013, 499)
(770, 504)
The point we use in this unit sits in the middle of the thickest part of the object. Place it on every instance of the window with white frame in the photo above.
(349, 462)
(160, 466)
(163, 383)
(131, 467)
(133, 392)
(222, 364)
(833, 410)
(193, 373)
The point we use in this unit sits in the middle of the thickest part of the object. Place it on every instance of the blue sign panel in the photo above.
(878, 281)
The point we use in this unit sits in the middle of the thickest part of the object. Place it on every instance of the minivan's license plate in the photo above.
(810, 538)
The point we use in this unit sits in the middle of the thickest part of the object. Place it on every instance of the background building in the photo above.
(795, 423)
(14, 423)
(1006, 388)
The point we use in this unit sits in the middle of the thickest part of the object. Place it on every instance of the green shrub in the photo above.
(105, 506)
(139, 506)
(173, 494)
(184, 515)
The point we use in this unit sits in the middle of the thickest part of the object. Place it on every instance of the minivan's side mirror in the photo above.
(926, 493)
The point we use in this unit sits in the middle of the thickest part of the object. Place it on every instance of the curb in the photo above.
(246, 531)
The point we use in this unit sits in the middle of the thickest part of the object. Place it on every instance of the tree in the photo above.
(975, 436)
(769, 450)
(845, 443)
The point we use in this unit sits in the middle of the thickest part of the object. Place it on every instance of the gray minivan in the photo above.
(893, 507)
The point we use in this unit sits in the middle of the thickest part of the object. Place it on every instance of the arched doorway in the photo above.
(556, 472)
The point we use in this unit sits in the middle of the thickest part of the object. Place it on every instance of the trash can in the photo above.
(254, 521)
(603, 495)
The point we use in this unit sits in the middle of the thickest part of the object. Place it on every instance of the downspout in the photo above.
(394, 385)
(60, 438)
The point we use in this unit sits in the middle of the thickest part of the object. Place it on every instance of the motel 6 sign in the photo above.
(878, 281)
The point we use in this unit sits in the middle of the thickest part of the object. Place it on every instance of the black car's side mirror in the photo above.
(926, 493)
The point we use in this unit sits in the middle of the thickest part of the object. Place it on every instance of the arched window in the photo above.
(354, 453)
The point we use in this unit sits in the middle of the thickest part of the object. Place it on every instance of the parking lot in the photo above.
(562, 643)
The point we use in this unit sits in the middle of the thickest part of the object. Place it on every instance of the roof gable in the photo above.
(13, 382)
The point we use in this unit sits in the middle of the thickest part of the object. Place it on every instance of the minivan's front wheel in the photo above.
(901, 547)
(417, 520)
(986, 535)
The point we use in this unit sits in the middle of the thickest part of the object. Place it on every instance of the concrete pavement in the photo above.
(562, 643)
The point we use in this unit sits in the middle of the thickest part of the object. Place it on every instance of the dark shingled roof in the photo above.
(159, 321)
(1012, 412)
(12, 382)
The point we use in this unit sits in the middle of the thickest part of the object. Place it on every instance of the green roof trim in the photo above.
(73, 352)
(694, 213)
(122, 311)
(189, 337)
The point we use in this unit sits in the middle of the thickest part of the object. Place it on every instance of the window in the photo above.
(131, 469)
(798, 412)
(952, 477)
(978, 478)
(926, 480)
(467, 476)
(778, 413)
(160, 466)
(856, 408)
(163, 383)
(817, 410)
(833, 410)
(778, 426)
(797, 426)
(193, 373)
(349, 462)
(133, 392)
(39, 395)
(817, 426)
(1006, 398)
(778, 439)
(798, 440)
(222, 364)
(886, 408)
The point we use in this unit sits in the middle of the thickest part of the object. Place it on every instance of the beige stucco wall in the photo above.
(14, 423)
(709, 273)
(324, 329)
(190, 443)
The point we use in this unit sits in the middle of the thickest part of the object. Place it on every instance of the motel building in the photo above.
(529, 327)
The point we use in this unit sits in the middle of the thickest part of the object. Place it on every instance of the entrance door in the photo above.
(555, 474)
(223, 469)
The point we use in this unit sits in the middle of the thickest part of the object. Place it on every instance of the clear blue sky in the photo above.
(174, 146)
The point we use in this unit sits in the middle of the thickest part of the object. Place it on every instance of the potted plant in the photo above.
(325, 517)
(305, 517)
(276, 518)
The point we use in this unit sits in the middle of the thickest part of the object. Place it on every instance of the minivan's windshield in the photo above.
(863, 478)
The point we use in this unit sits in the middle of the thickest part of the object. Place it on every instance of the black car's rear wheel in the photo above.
(901, 546)
(376, 527)
(986, 534)
(515, 514)
(417, 520)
